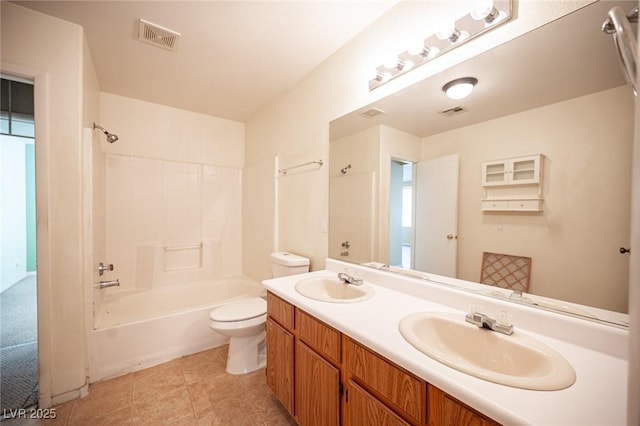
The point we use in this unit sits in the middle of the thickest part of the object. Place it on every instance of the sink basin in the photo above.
(517, 360)
(331, 289)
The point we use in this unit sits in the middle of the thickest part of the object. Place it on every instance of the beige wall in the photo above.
(53, 49)
(586, 189)
(296, 126)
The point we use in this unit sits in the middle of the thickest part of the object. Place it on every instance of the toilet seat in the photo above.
(239, 310)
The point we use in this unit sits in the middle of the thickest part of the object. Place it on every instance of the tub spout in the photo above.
(110, 283)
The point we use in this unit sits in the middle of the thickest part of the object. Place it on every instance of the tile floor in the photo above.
(193, 390)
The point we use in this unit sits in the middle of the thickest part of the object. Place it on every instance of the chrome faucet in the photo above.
(350, 279)
(501, 325)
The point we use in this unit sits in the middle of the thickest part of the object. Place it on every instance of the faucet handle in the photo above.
(473, 309)
(102, 268)
(504, 318)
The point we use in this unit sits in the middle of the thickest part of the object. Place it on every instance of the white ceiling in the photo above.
(233, 56)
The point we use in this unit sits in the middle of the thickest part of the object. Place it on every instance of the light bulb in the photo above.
(392, 62)
(447, 31)
(407, 65)
(416, 48)
(483, 9)
(487, 12)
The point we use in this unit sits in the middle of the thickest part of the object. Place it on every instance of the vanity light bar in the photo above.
(489, 15)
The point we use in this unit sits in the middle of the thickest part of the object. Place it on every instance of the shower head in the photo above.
(111, 138)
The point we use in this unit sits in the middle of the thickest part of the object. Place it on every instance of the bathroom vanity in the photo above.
(347, 363)
(316, 369)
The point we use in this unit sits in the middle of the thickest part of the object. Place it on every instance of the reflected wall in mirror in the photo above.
(544, 93)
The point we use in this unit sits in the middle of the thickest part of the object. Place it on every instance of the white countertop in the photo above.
(598, 397)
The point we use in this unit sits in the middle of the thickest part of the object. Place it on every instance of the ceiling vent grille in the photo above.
(372, 112)
(453, 111)
(157, 35)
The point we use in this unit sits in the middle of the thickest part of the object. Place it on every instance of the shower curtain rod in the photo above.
(284, 171)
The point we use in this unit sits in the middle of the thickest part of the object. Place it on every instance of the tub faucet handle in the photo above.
(102, 268)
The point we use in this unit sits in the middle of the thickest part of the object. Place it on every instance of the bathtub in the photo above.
(137, 330)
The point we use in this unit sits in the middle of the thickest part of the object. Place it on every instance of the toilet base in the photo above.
(247, 354)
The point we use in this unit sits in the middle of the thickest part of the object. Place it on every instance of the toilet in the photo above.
(243, 321)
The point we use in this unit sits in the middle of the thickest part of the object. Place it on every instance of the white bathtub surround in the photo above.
(146, 328)
(160, 265)
(164, 216)
(597, 352)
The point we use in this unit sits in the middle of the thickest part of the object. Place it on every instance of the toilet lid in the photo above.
(240, 310)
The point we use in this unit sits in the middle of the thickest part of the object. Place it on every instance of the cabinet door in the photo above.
(280, 363)
(494, 173)
(317, 389)
(525, 170)
(363, 409)
(446, 411)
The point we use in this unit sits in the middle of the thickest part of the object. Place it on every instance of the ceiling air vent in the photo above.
(453, 110)
(157, 35)
(372, 112)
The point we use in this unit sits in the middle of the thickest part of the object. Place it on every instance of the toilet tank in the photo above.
(284, 264)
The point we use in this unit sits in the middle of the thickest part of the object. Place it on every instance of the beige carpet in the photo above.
(18, 346)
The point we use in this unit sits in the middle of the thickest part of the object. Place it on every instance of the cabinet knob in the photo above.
(451, 237)
(624, 250)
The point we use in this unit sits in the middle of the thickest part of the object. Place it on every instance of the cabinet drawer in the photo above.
(324, 339)
(280, 311)
(495, 205)
(525, 205)
(512, 205)
(397, 388)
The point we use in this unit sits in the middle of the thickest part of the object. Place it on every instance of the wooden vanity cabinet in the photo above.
(325, 378)
(303, 364)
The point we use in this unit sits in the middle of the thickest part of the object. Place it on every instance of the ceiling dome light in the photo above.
(460, 88)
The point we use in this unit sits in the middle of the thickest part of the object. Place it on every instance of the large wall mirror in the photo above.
(410, 190)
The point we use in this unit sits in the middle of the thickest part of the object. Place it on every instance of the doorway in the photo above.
(401, 214)
(18, 279)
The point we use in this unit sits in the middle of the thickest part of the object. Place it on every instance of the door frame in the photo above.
(43, 242)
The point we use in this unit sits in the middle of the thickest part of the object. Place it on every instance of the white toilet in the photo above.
(243, 321)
